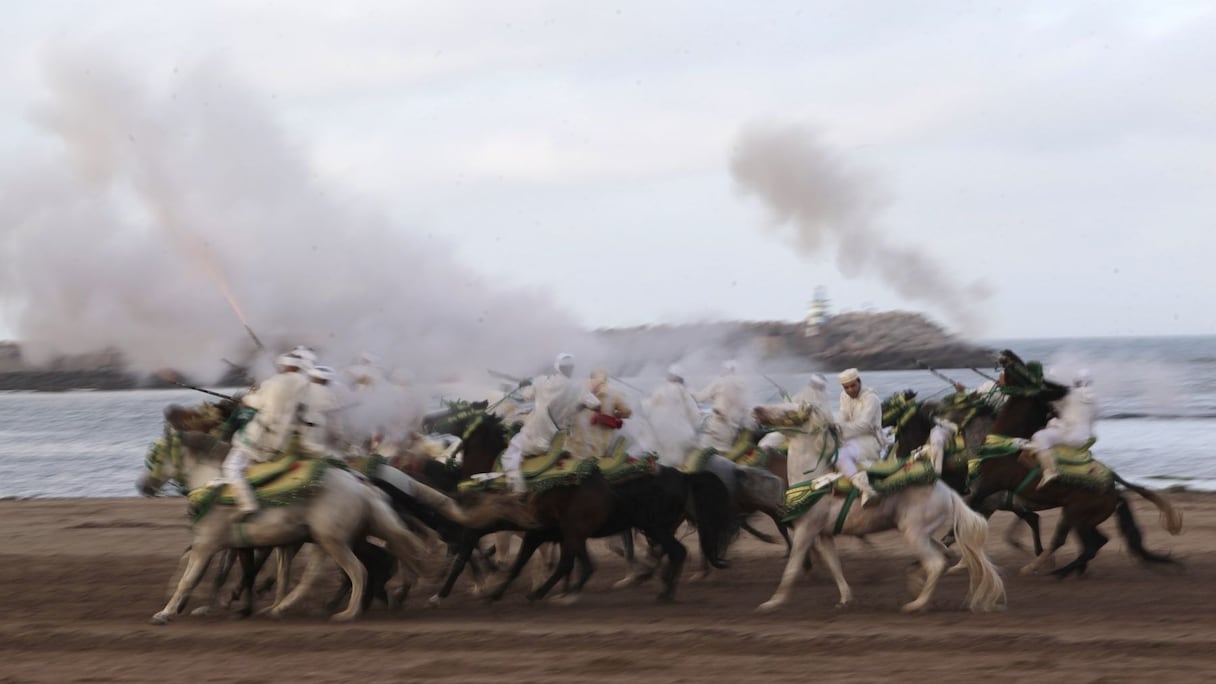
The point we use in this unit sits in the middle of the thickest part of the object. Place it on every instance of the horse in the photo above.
(912, 421)
(342, 507)
(1026, 410)
(917, 512)
(569, 514)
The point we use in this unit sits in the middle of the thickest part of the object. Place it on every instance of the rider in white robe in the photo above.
(1073, 425)
(727, 395)
(671, 417)
(320, 420)
(277, 402)
(558, 399)
(815, 393)
(860, 428)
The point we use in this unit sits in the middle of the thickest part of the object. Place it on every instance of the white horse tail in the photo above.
(987, 590)
(410, 551)
(483, 514)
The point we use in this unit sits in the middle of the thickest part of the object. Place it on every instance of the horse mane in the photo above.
(203, 444)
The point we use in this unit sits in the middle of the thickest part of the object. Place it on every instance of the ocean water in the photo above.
(1158, 399)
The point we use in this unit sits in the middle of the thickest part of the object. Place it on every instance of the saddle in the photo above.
(619, 466)
(886, 477)
(288, 479)
(1076, 466)
(554, 468)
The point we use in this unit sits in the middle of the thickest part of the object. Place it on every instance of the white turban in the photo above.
(729, 367)
(674, 370)
(304, 353)
(321, 373)
(1083, 378)
(289, 361)
(818, 382)
(563, 361)
(849, 375)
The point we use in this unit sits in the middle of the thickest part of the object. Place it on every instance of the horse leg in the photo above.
(826, 546)
(1091, 542)
(462, 558)
(676, 555)
(805, 531)
(526, 549)
(1032, 521)
(197, 561)
(565, 564)
(353, 567)
(783, 530)
(284, 555)
(312, 570)
(931, 559)
(1047, 558)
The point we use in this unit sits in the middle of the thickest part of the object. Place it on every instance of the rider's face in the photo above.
(852, 388)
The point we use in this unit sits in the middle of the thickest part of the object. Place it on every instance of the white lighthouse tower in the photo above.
(818, 314)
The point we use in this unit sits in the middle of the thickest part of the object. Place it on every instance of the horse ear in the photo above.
(928, 410)
(480, 405)
(196, 441)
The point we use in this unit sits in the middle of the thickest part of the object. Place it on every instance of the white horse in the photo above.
(917, 512)
(342, 509)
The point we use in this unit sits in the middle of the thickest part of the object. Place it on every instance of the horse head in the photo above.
(171, 458)
(897, 405)
(163, 463)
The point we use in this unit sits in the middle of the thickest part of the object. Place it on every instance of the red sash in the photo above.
(605, 420)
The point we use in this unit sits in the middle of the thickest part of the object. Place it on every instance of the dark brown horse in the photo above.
(1026, 410)
(912, 421)
(571, 514)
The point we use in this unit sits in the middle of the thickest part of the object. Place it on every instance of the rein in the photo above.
(167, 452)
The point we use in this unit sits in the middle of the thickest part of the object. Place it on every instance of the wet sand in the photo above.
(80, 578)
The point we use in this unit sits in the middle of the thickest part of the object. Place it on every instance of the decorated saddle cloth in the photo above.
(889, 476)
(743, 452)
(618, 466)
(288, 479)
(554, 468)
(1076, 466)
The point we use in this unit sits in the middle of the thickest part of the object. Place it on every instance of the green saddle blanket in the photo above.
(541, 472)
(887, 477)
(619, 466)
(286, 480)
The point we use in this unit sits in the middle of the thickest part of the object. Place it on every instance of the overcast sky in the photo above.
(1064, 153)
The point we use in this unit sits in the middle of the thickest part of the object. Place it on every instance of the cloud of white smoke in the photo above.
(827, 204)
(170, 216)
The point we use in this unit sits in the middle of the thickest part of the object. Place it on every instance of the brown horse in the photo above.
(571, 514)
(912, 421)
(1026, 410)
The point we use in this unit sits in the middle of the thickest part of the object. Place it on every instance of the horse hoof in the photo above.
(768, 606)
(957, 568)
(344, 616)
(841, 605)
(624, 583)
(913, 607)
(475, 591)
(201, 611)
(564, 600)
(433, 602)
(697, 576)
(159, 619)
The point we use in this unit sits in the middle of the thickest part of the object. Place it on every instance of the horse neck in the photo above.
(481, 449)
(913, 434)
(199, 470)
(810, 455)
(1020, 417)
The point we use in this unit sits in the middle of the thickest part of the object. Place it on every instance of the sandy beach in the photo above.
(80, 578)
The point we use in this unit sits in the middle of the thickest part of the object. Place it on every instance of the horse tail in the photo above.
(971, 531)
(491, 510)
(1171, 518)
(1131, 534)
(714, 517)
(747, 527)
(411, 552)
